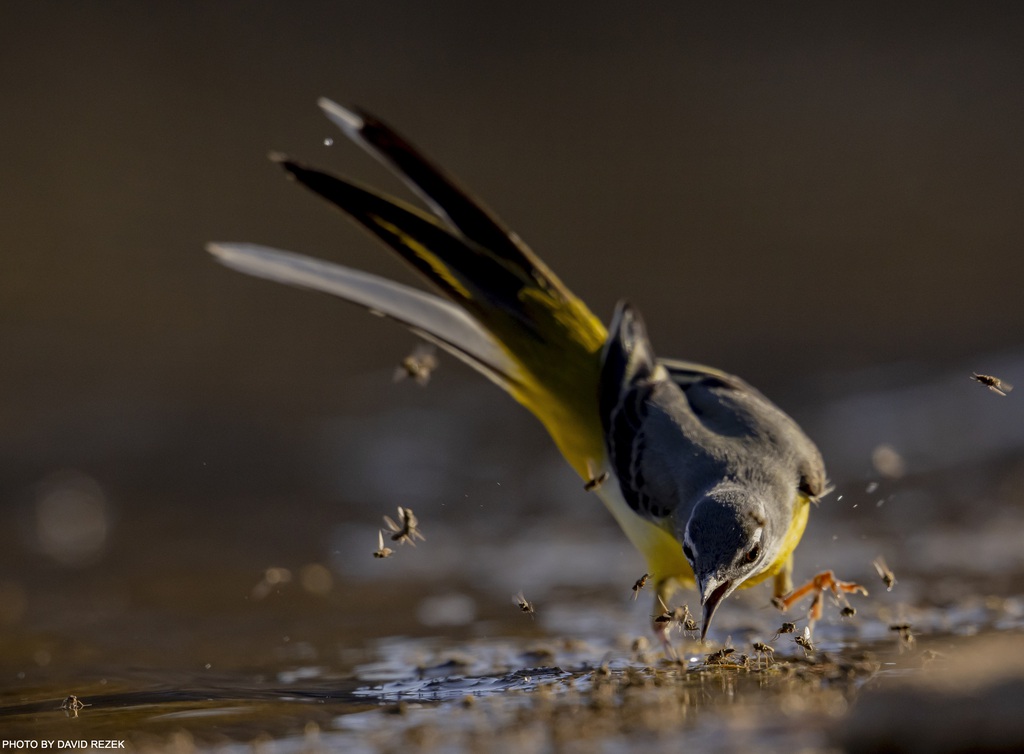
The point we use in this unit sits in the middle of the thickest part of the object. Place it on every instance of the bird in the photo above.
(708, 479)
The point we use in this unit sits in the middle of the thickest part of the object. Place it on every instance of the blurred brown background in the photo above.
(798, 194)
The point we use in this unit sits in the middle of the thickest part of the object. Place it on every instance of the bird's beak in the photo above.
(712, 593)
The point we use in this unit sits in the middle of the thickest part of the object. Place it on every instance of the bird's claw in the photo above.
(826, 580)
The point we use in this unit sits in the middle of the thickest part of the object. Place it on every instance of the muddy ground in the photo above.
(266, 623)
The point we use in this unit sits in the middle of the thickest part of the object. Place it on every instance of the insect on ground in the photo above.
(765, 651)
(72, 705)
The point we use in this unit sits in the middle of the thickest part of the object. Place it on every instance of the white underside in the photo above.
(664, 554)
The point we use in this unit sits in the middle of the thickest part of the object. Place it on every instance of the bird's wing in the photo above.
(708, 389)
(674, 429)
(645, 414)
(687, 374)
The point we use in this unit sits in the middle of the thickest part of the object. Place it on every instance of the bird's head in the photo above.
(729, 538)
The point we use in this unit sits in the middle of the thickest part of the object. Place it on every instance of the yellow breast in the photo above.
(664, 553)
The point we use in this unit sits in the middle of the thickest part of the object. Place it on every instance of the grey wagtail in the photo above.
(707, 478)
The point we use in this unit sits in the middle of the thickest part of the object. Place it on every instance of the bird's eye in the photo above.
(753, 553)
(688, 552)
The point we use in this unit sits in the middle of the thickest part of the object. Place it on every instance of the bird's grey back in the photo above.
(677, 431)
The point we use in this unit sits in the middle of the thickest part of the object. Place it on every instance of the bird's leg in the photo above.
(814, 614)
(821, 582)
(817, 585)
(783, 583)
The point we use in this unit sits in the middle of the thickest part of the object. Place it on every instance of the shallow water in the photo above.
(553, 681)
(532, 697)
(261, 621)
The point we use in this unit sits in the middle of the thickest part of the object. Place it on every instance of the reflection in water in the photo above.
(489, 695)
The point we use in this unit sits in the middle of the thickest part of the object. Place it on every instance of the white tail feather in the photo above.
(429, 316)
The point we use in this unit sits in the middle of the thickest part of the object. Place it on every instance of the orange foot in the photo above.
(818, 585)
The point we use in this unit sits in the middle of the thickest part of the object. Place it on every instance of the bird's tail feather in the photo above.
(429, 316)
(473, 279)
(464, 215)
(550, 336)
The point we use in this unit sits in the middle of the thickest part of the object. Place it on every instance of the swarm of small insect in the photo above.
(640, 584)
(765, 651)
(884, 573)
(382, 551)
(418, 365)
(996, 385)
(408, 531)
(522, 603)
(594, 479)
(804, 641)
